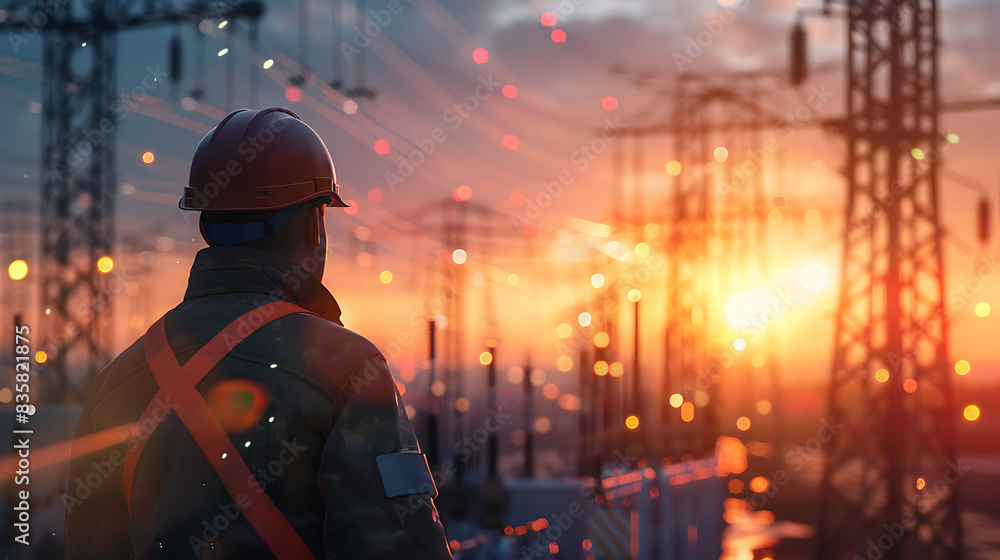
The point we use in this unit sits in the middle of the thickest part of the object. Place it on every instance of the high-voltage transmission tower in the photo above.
(898, 435)
(80, 118)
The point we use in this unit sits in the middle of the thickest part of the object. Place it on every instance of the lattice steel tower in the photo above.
(892, 315)
(80, 118)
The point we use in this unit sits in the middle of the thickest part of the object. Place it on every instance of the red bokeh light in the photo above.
(462, 193)
(480, 55)
(510, 142)
(558, 36)
(375, 195)
(509, 91)
(548, 19)
(381, 146)
(352, 209)
(609, 103)
(517, 198)
(293, 93)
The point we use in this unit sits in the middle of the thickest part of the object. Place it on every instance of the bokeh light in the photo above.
(459, 256)
(558, 36)
(632, 422)
(480, 56)
(882, 375)
(814, 277)
(17, 269)
(105, 264)
(597, 280)
(609, 103)
(743, 423)
(971, 413)
(983, 309)
(584, 319)
(382, 146)
(674, 168)
(676, 400)
(563, 330)
(601, 340)
(962, 367)
(721, 154)
(148, 157)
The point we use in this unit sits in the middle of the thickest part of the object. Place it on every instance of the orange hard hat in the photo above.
(260, 160)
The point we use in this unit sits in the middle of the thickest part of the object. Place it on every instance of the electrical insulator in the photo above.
(984, 220)
(175, 59)
(798, 58)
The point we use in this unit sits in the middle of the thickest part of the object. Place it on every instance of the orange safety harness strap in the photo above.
(178, 384)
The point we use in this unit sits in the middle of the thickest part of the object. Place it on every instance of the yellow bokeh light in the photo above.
(687, 412)
(584, 319)
(601, 368)
(962, 367)
(564, 363)
(921, 483)
(6, 395)
(882, 375)
(515, 375)
(486, 358)
(676, 400)
(634, 295)
(512, 279)
(462, 404)
(757, 361)
(743, 423)
(759, 484)
(17, 270)
(597, 280)
(774, 216)
(971, 412)
(459, 256)
(268, 63)
(564, 330)
(739, 345)
(601, 340)
(814, 277)
(438, 388)
(642, 249)
(41, 357)
(105, 264)
(982, 309)
(632, 422)
(148, 157)
(721, 154)
(812, 215)
(764, 407)
(385, 277)
(674, 168)
(616, 369)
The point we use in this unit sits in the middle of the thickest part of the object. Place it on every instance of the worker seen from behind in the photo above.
(258, 426)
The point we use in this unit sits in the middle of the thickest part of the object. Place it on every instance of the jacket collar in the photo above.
(227, 270)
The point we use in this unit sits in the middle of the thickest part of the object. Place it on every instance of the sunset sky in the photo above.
(422, 62)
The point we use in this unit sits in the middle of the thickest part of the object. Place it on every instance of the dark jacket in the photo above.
(329, 408)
